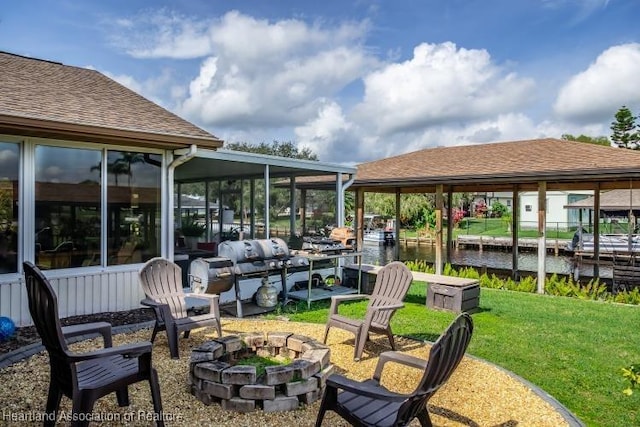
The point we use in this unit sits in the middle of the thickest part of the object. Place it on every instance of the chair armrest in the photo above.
(131, 350)
(162, 310)
(364, 388)
(337, 299)
(397, 357)
(213, 302)
(103, 328)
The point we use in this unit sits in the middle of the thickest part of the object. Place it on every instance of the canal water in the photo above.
(491, 259)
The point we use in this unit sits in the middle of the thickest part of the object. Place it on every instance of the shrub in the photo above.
(632, 376)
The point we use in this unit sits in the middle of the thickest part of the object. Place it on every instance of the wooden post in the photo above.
(596, 231)
(449, 224)
(515, 221)
(359, 218)
(396, 251)
(439, 206)
(542, 238)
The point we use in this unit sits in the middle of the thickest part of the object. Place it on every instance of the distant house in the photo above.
(88, 171)
(557, 215)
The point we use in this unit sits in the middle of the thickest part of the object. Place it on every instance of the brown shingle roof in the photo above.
(512, 162)
(614, 200)
(51, 99)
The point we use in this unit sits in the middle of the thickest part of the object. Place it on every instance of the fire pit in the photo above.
(216, 372)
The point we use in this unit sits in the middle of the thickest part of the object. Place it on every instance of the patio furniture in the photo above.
(161, 281)
(85, 377)
(392, 284)
(368, 403)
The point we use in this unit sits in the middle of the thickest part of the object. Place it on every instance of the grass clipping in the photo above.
(478, 394)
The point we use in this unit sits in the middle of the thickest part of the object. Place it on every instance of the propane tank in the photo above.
(267, 294)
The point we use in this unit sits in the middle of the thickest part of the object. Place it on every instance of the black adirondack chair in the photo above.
(368, 403)
(85, 377)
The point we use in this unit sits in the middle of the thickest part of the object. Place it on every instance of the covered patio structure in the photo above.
(540, 165)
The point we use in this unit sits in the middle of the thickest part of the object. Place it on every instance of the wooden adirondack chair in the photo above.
(392, 284)
(85, 377)
(368, 403)
(161, 281)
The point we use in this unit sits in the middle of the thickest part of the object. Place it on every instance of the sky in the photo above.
(354, 80)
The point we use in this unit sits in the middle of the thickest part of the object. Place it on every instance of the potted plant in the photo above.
(192, 231)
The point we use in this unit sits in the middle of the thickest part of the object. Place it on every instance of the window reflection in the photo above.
(67, 207)
(9, 161)
(134, 207)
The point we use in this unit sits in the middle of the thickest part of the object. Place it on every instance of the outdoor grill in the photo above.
(241, 259)
(211, 275)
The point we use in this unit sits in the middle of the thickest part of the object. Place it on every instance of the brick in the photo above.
(254, 340)
(320, 355)
(257, 391)
(215, 348)
(301, 387)
(294, 342)
(239, 405)
(240, 374)
(275, 375)
(193, 380)
(280, 403)
(278, 339)
(231, 343)
(311, 396)
(323, 375)
(312, 345)
(210, 370)
(197, 357)
(304, 368)
(221, 391)
(203, 397)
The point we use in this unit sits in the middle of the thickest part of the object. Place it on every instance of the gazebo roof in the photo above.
(50, 99)
(500, 166)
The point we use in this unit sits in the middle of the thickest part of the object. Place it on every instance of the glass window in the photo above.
(9, 169)
(67, 207)
(133, 204)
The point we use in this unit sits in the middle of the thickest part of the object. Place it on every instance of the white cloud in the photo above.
(440, 84)
(326, 133)
(276, 74)
(161, 33)
(598, 92)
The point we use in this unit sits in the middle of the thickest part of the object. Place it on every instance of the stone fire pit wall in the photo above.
(215, 374)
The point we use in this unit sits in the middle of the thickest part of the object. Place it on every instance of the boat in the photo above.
(377, 231)
(609, 243)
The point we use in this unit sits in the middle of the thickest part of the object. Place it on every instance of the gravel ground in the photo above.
(477, 394)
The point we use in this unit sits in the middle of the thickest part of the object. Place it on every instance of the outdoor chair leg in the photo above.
(326, 334)
(155, 397)
(172, 338)
(186, 334)
(156, 328)
(53, 403)
(329, 399)
(122, 396)
(424, 418)
(391, 340)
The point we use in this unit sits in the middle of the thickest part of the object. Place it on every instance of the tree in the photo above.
(277, 148)
(598, 140)
(624, 130)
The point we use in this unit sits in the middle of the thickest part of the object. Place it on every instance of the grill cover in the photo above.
(211, 275)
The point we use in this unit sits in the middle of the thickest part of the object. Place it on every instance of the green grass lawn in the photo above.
(573, 349)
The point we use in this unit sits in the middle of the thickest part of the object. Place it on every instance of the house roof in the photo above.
(614, 200)
(498, 166)
(53, 100)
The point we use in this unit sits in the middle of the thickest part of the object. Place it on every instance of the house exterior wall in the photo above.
(108, 284)
(557, 215)
(79, 292)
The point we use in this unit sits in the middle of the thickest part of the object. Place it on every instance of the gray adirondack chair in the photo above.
(85, 377)
(161, 280)
(392, 284)
(368, 403)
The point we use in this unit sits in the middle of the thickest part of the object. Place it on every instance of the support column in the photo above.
(396, 249)
(439, 207)
(292, 207)
(359, 228)
(596, 231)
(449, 224)
(515, 221)
(267, 203)
(303, 210)
(542, 235)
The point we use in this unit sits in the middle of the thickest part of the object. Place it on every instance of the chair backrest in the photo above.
(444, 357)
(161, 281)
(392, 285)
(43, 306)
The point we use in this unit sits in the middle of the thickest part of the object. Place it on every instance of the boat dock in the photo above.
(488, 242)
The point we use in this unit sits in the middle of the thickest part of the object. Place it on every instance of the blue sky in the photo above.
(355, 80)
